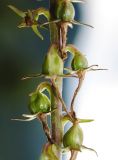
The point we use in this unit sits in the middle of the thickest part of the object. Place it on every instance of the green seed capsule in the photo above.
(53, 64)
(44, 156)
(65, 11)
(73, 138)
(39, 102)
(79, 62)
(49, 152)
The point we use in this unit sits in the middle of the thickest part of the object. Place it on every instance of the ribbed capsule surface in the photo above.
(79, 61)
(73, 138)
(49, 152)
(39, 102)
(65, 11)
(53, 64)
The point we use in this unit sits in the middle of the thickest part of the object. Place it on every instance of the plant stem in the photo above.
(61, 100)
(81, 78)
(63, 28)
(57, 129)
(43, 119)
(54, 35)
(73, 155)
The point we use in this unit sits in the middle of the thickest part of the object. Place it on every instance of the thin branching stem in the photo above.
(61, 100)
(73, 155)
(81, 79)
(43, 119)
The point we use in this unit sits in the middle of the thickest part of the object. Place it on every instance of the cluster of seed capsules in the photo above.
(52, 68)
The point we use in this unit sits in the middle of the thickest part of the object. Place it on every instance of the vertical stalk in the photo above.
(73, 155)
(57, 129)
(54, 35)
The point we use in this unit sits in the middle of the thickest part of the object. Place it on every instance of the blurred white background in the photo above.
(98, 98)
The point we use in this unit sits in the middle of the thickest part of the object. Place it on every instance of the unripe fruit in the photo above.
(73, 138)
(44, 156)
(53, 64)
(65, 11)
(79, 61)
(49, 152)
(39, 102)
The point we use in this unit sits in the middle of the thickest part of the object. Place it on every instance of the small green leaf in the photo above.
(17, 11)
(30, 14)
(22, 25)
(41, 11)
(30, 18)
(85, 120)
(35, 29)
